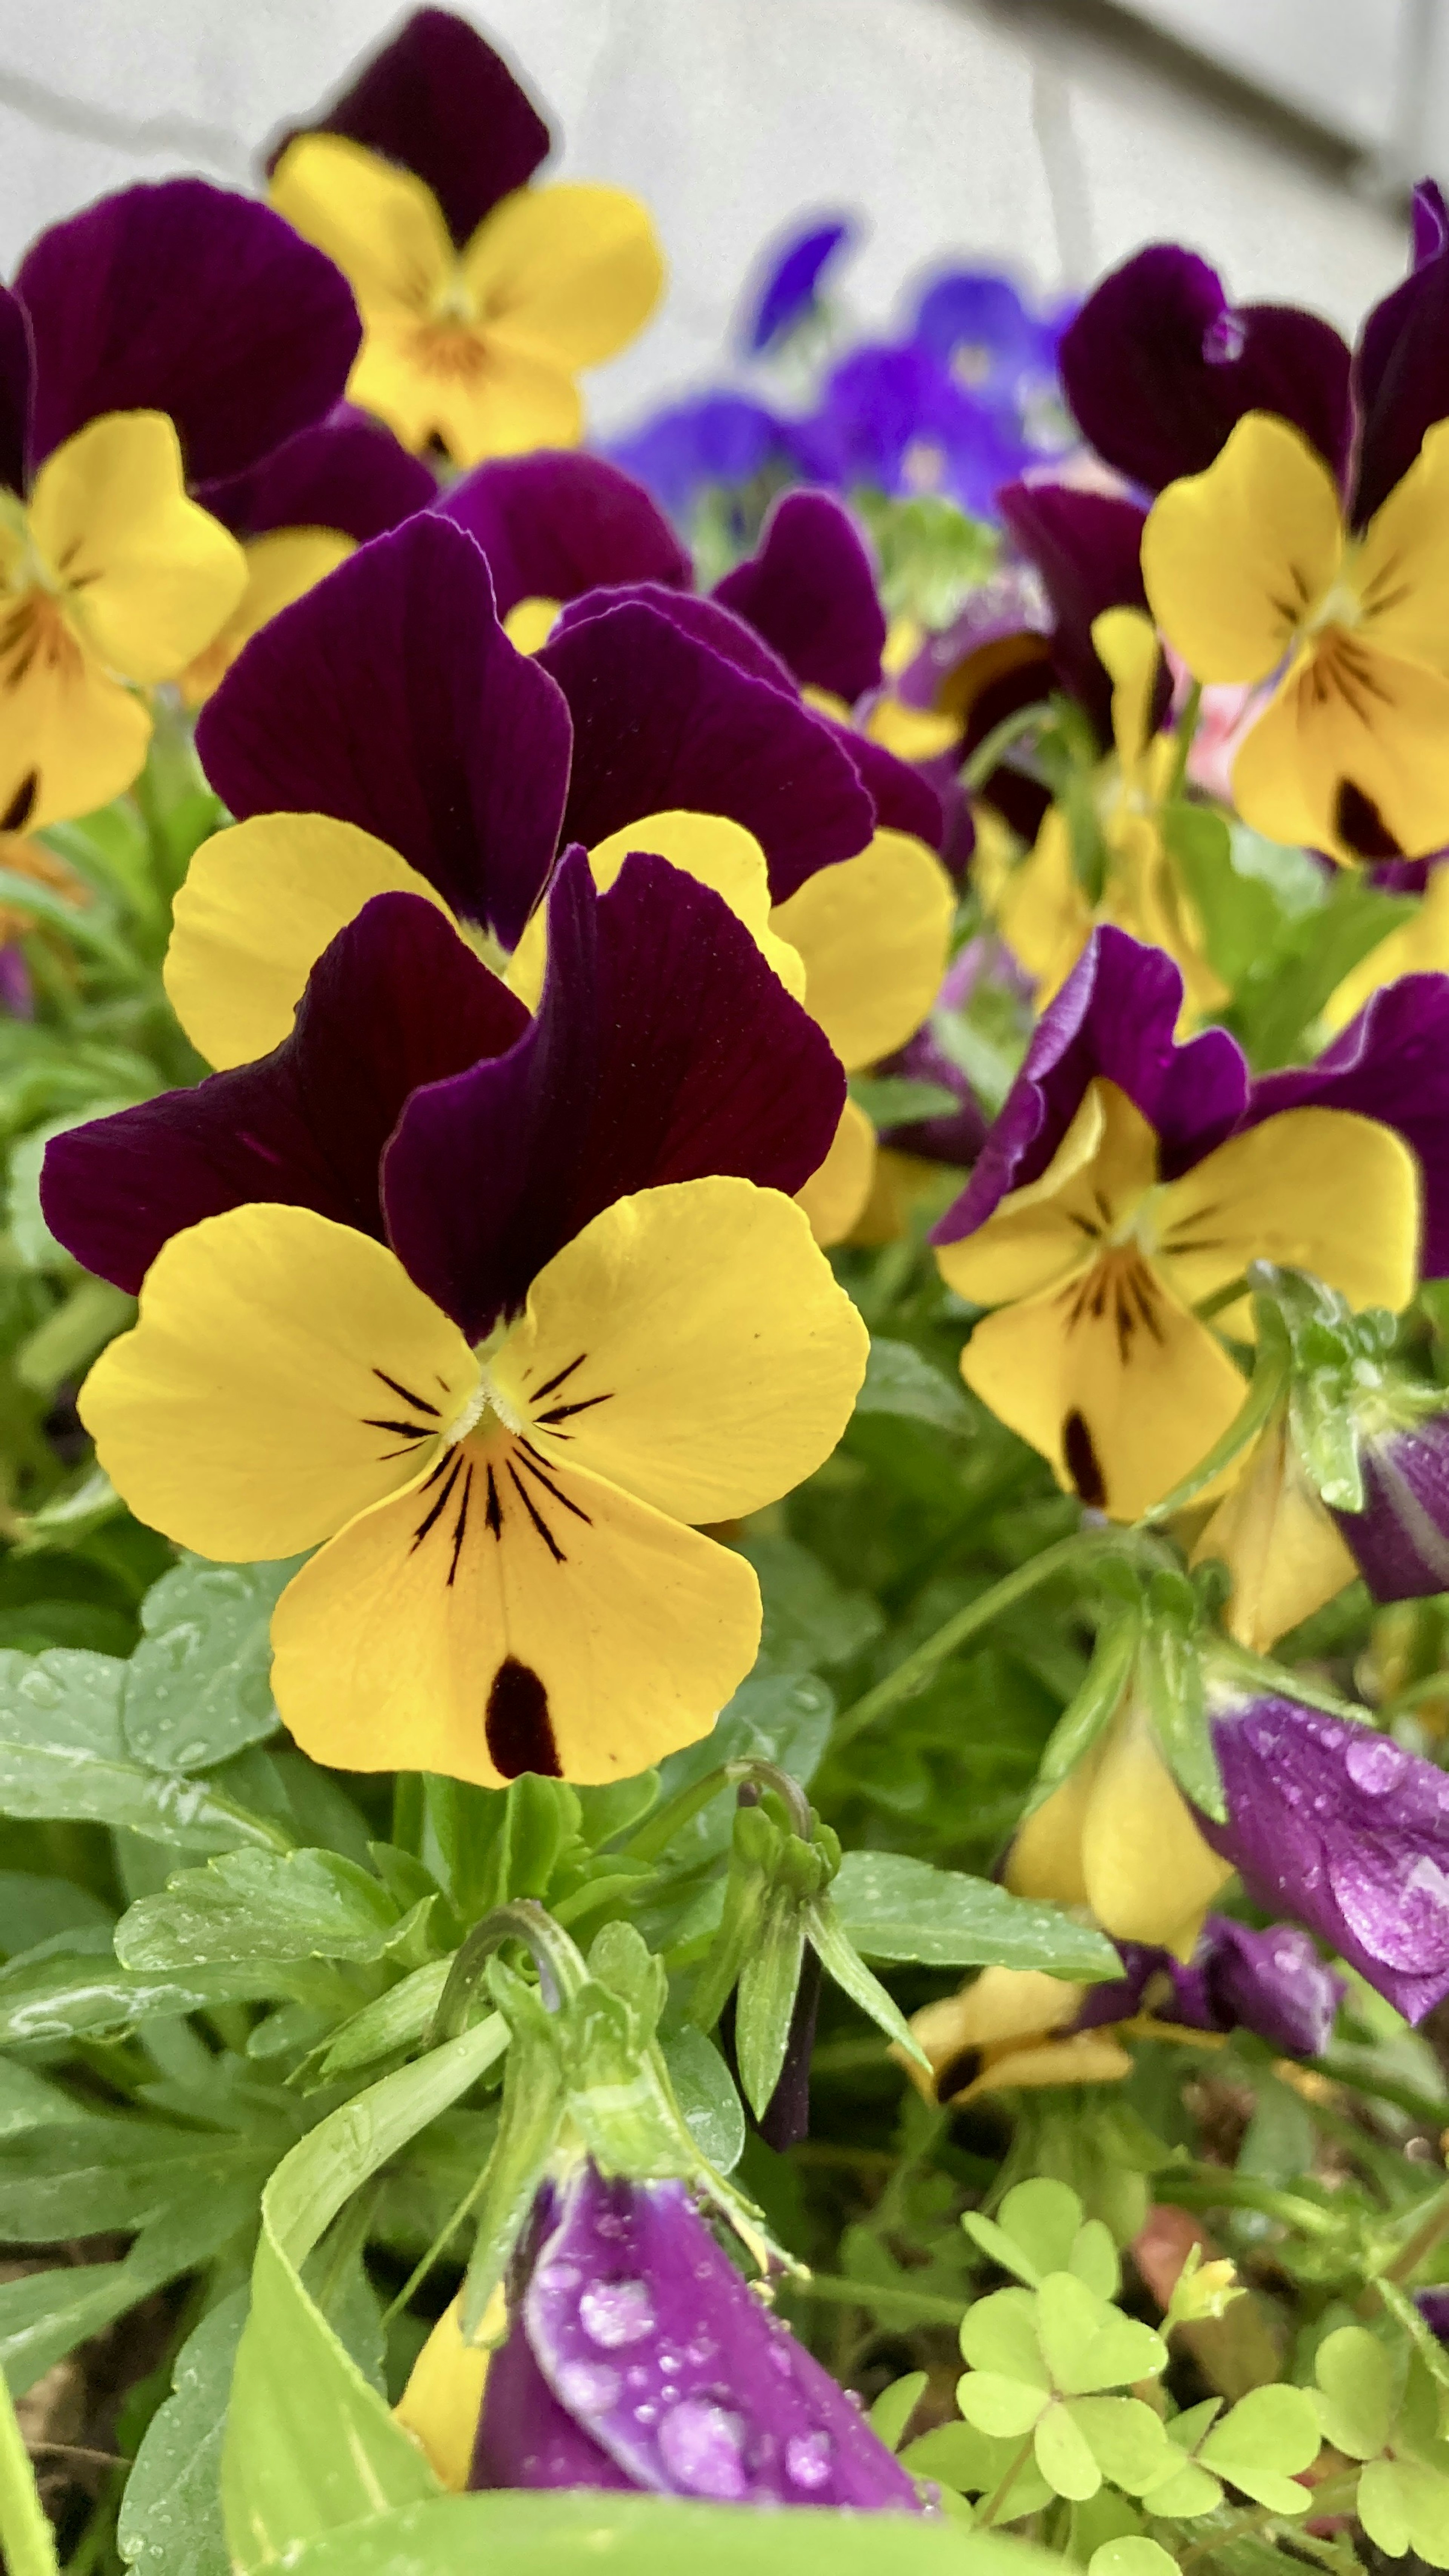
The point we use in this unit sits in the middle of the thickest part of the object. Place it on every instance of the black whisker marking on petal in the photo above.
(419, 1403)
(493, 1517)
(440, 1504)
(1103, 1210)
(1126, 1322)
(440, 1469)
(22, 804)
(460, 1527)
(1084, 1224)
(1147, 1308)
(531, 1463)
(536, 1516)
(547, 1388)
(561, 1412)
(405, 1430)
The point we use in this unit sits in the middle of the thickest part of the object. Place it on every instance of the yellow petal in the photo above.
(530, 623)
(71, 737)
(900, 1184)
(1041, 908)
(1046, 1232)
(1081, 2057)
(1117, 1385)
(1150, 1875)
(1419, 946)
(1126, 642)
(476, 392)
(540, 1620)
(835, 1197)
(1045, 1859)
(708, 847)
(281, 567)
(1312, 1189)
(150, 576)
(1234, 559)
(691, 1345)
(1001, 2006)
(443, 2399)
(1280, 1545)
(381, 225)
(284, 1373)
(874, 933)
(1349, 721)
(912, 733)
(1146, 897)
(1400, 567)
(569, 272)
(260, 903)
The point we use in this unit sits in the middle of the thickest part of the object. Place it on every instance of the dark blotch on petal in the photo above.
(22, 804)
(1083, 1465)
(518, 1727)
(1360, 825)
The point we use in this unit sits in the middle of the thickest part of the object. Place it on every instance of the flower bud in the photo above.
(1400, 1540)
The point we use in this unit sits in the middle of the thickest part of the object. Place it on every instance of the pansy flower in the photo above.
(891, 417)
(788, 296)
(166, 337)
(481, 295)
(1128, 1182)
(489, 1338)
(1304, 531)
(299, 514)
(714, 463)
(978, 324)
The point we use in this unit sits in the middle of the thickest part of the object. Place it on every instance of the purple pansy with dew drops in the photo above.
(638, 2358)
(1271, 1982)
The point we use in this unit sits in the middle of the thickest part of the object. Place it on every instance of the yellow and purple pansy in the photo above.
(481, 295)
(167, 338)
(490, 1309)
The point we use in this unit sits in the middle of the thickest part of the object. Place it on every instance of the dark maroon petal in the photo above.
(654, 2343)
(956, 1136)
(1401, 369)
(1159, 368)
(389, 696)
(809, 589)
(396, 1000)
(1400, 1540)
(525, 2437)
(903, 797)
(442, 103)
(1429, 219)
(1271, 1982)
(1114, 1016)
(1087, 547)
(1433, 2307)
(662, 721)
(16, 370)
(188, 299)
(1339, 1827)
(558, 523)
(1390, 1063)
(664, 1049)
(705, 621)
(348, 473)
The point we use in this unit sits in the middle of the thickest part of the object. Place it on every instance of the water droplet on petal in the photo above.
(807, 2460)
(702, 2450)
(1375, 1764)
(613, 2313)
(588, 2387)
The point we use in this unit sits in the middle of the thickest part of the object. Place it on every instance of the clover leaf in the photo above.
(1041, 2229)
(1041, 2362)
(1371, 2412)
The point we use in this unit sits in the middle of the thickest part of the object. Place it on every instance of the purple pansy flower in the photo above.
(638, 2358)
(664, 1048)
(1400, 1539)
(712, 441)
(346, 472)
(810, 590)
(790, 291)
(893, 418)
(1339, 1827)
(559, 523)
(440, 102)
(1273, 1983)
(976, 323)
(1159, 368)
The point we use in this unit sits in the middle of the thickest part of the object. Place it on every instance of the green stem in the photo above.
(1184, 735)
(907, 2307)
(561, 1970)
(987, 754)
(1432, 2226)
(916, 1669)
(1192, 2186)
(994, 2503)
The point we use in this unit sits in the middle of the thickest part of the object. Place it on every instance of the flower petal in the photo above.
(568, 272)
(527, 2439)
(502, 1617)
(1313, 1189)
(1051, 1229)
(556, 524)
(1401, 567)
(347, 473)
(192, 300)
(665, 1048)
(284, 1374)
(1158, 368)
(153, 576)
(280, 567)
(1401, 376)
(1148, 1873)
(837, 1194)
(397, 1000)
(692, 1346)
(468, 388)
(439, 101)
(390, 697)
(661, 723)
(1278, 1543)
(17, 368)
(380, 224)
(1419, 945)
(1351, 755)
(1235, 557)
(874, 934)
(71, 737)
(809, 589)
(1087, 548)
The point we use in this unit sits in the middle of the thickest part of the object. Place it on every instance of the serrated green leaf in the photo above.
(1261, 2441)
(395, 2020)
(894, 1907)
(80, 1995)
(892, 1100)
(63, 1755)
(811, 1621)
(198, 1687)
(1356, 2403)
(257, 1905)
(170, 2522)
(1064, 2455)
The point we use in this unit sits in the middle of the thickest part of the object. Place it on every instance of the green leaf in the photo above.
(1185, 2491)
(44, 2315)
(1313, 957)
(898, 1379)
(1125, 2437)
(1064, 2455)
(1132, 2556)
(843, 1964)
(26, 2537)
(1005, 2408)
(260, 1905)
(106, 2174)
(198, 1687)
(63, 1754)
(74, 1995)
(811, 1621)
(36, 1909)
(999, 2333)
(1356, 2378)
(972, 2463)
(891, 1100)
(894, 1907)
(29, 2101)
(1044, 2218)
(895, 2406)
(1261, 2441)
(395, 2020)
(170, 2522)
(1426, 2500)
(1088, 2345)
(706, 2096)
(1383, 2507)
(309, 2445)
